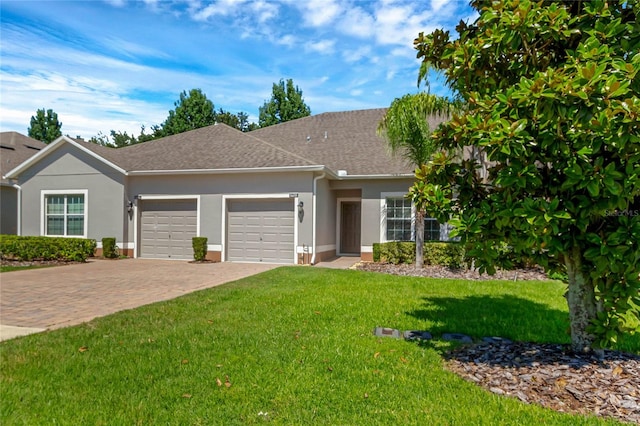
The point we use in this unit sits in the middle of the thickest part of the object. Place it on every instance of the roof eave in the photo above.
(315, 168)
(377, 176)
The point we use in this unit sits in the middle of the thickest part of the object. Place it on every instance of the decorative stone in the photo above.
(457, 337)
(417, 335)
(497, 340)
(387, 332)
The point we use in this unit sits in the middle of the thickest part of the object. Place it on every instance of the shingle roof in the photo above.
(15, 148)
(339, 140)
(213, 147)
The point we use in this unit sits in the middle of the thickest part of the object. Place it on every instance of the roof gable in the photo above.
(99, 152)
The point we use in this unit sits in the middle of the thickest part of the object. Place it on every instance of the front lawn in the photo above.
(289, 346)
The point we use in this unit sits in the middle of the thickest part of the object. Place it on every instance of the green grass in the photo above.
(9, 268)
(295, 343)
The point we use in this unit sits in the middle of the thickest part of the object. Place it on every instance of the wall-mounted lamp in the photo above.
(300, 211)
(129, 206)
(300, 205)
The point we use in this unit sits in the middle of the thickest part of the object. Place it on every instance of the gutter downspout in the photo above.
(19, 212)
(313, 202)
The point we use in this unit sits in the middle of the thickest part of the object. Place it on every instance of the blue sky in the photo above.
(104, 65)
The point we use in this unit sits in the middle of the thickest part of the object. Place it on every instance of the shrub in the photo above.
(449, 254)
(376, 252)
(396, 252)
(199, 248)
(109, 249)
(15, 247)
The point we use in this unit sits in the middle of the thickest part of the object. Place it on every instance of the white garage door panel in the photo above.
(167, 228)
(261, 231)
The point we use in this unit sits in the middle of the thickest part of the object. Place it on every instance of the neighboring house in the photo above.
(14, 149)
(297, 192)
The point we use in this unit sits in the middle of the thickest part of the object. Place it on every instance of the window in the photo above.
(399, 214)
(64, 214)
(431, 229)
(398, 219)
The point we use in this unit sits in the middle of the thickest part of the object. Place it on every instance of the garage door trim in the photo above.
(257, 197)
(149, 197)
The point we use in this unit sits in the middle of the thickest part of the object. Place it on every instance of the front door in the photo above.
(350, 227)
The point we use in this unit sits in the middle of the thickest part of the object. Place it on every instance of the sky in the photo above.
(119, 65)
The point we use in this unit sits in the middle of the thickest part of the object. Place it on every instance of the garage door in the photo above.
(167, 227)
(260, 231)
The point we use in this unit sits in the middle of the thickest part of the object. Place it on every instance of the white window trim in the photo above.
(136, 214)
(250, 197)
(43, 210)
(383, 214)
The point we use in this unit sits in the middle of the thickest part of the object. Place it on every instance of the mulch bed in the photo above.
(544, 374)
(25, 263)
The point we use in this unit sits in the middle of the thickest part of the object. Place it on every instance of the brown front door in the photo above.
(350, 227)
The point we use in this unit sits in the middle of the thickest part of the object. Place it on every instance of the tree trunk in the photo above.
(582, 302)
(419, 238)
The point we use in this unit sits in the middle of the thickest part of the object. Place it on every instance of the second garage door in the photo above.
(261, 231)
(167, 228)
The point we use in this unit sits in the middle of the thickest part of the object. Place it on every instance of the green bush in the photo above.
(109, 249)
(199, 248)
(376, 252)
(449, 254)
(15, 247)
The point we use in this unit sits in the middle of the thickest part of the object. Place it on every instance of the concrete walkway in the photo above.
(39, 299)
(343, 262)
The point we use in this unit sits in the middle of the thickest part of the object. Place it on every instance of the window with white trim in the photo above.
(399, 221)
(398, 218)
(64, 215)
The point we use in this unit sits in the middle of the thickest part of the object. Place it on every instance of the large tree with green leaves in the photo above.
(405, 127)
(553, 96)
(44, 126)
(286, 104)
(192, 111)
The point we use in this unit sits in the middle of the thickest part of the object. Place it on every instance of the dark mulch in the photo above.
(444, 272)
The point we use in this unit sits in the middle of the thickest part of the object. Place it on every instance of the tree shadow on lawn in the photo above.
(506, 316)
(503, 316)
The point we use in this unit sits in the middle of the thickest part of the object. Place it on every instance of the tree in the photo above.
(286, 104)
(192, 111)
(552, 93)
(405, 126)
(243, 123)
(44, 126)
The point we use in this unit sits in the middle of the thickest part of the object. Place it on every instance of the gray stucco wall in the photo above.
(326, 214)
(371, 211)
(8, 210)
(68, 168)
(213, 187)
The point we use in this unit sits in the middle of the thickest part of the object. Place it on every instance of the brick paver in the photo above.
(73, 294)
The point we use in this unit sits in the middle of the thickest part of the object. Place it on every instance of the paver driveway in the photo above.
(56, 297)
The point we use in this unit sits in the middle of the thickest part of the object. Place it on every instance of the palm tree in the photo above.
(405, 127)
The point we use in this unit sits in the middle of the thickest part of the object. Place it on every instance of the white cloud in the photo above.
(357, 54)
(264, 10)
(355, 21)
(324, 47)
(317, 13)
(436, 5)
(287, 40)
